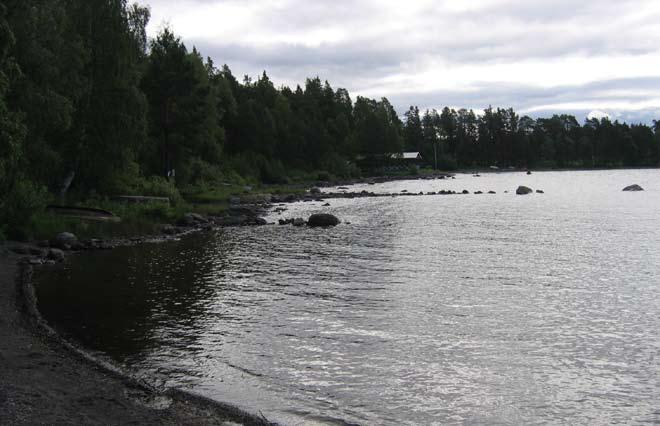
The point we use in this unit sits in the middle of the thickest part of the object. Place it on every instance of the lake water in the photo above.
(460, 309)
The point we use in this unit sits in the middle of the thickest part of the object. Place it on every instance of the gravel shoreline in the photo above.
(45, 380)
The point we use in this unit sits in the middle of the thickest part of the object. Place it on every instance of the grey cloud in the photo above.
(522, 97)
(507, 32)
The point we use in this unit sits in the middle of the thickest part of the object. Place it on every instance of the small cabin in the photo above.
(408, 157)
(390, 162)
(405, 160)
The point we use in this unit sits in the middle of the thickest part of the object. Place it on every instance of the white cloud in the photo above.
(598, 114)
(412, 50)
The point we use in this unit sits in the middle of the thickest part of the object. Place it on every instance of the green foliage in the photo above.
(198, 172)
(22, 202)
(184, 121)
(136, 219)
(12, 129)
(447, 163)
(377, 127)
(159, 187)
(131, 182)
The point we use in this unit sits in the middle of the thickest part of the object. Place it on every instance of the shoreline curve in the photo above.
(43, 370)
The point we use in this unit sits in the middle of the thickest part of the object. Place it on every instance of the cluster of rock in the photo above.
(54, 250)
(383, 179)
(243, 215)
(299, 221)
(369, 194)
(524, 190)
(315, 220)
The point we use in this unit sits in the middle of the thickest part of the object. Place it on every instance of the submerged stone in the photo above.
(64, 240)
(633, 188)
(322, 219)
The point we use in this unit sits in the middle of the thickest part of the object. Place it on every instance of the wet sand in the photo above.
(44, 382)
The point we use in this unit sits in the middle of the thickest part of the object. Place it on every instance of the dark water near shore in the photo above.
(478, 309)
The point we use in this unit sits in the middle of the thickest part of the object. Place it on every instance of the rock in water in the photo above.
(64, 240)
(299, 221)
(322, 219)
(523, 190)
(633, 188)
(56, 255)
(314, 190)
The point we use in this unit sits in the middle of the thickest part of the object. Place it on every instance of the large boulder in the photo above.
(64, 240)
(322, 219)
(56, 255)
(633, 188)
(315, 191)
(523, 190)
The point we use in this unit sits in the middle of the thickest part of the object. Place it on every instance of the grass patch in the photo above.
(136, 219)
(216, 194)
(147, 218)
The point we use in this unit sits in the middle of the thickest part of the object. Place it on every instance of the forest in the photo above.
(91, 106)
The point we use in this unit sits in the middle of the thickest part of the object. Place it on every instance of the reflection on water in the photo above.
(446, 309)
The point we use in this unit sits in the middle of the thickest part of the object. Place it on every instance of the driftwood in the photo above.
(85, 213)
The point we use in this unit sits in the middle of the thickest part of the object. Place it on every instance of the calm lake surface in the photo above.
(477, 309)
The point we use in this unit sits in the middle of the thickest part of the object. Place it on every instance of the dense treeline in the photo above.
(89, 105)
(502, 138)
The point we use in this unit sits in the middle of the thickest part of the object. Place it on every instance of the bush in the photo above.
(16, 211)
(324, 176)
(272, 171)
(447, 163)
(243, 165)
(198, 172)
(159, 186)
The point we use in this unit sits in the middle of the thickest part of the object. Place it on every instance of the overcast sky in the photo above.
(537, 56)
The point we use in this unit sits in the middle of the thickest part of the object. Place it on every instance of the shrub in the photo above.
(272, 171)
(159, 186)
(447, 162)
(200, 173)
(22, 202)
(324, 176)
